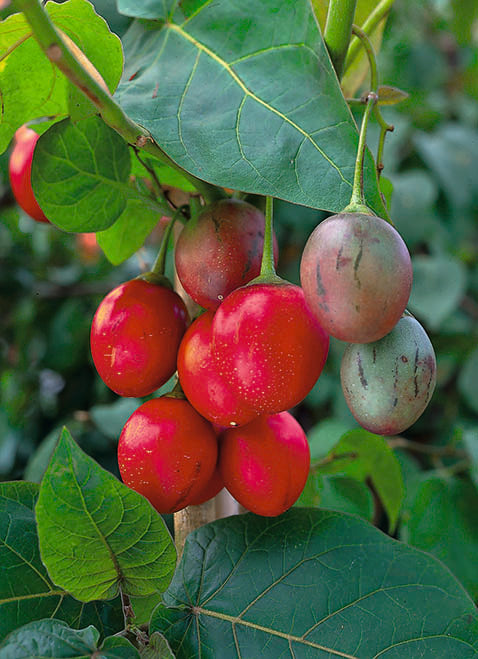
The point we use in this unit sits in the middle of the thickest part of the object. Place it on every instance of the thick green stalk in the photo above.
(267, 263)
(338, 30)
(380, 11)
(57, 52)
(357, 201)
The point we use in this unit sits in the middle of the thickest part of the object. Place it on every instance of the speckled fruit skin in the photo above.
(221, 251)
(388, 384)
(266, 463)
(135, 337)
(356, 274)
(167, 452)
(207, 391)
(268, 345)
(20, 170)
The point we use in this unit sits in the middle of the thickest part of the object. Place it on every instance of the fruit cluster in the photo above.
(255, 352)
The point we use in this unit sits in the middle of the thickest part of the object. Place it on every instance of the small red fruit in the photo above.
(220, 250)
(208, 391)
(135, 337)
(266, 463)
(356, 274)
(167, 452)
(20, 169)
(268, 345)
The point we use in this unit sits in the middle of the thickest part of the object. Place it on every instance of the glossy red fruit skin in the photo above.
(167, 452)
(213, 487)
(135, 337)
(266, 463)
(207, 391)
(20, 170)
(356, 274)
(221, 251)
(268, 345)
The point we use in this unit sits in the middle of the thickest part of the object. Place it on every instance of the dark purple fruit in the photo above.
(220, 251)
(356, 274)
(388, 383)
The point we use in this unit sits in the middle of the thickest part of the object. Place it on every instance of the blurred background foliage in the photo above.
(422, 486)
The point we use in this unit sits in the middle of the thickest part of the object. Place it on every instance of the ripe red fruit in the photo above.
(167, 452)
(20, 169)
(220, 251)
(207, 391)
(268, 345)
(356, 274)
(213, 487)
(135, 336)
(266, 463)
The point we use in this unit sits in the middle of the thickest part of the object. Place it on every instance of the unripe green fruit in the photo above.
(388, 383)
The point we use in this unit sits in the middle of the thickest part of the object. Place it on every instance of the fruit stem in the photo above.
(374, 86)
(160, 263)
(338, 30)
(59, 54)
(373, 20)
(267, 263)
(357, 201)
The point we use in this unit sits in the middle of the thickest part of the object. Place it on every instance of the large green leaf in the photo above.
(96, 534)
(361, 455)
(26, 592)
(312, 584)
(244, 96)
(53, 638)
(31, 86)
(80, 176)
(442, 519)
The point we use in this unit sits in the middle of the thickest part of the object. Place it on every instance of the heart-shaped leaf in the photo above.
(310, 584)
(96, 534)
(254, 105)
(26, 592)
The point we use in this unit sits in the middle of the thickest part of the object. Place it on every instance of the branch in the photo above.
(338, 30)
(58, 53)
(380, 11)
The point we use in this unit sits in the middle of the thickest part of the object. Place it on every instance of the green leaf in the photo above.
(110, 419)
(166, 175)
(325, 435)
(336, 492)
(158, 648)
(442, 520)
(252, 105)
(439, 283)
(98, 535)
(80, 175)
(49, 638)
(312, 583)
(467, 380)
(26, 592)
(31, 86)
(388, 95)
(129, 231)
(366, 455)
(415, 192)
(53, 638)
(451, 152)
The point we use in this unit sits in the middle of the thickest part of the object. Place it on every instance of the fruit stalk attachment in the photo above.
(160, 263)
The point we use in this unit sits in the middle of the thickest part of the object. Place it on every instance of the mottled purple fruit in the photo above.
(356, 274)
(220, 250)
(388, 383)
